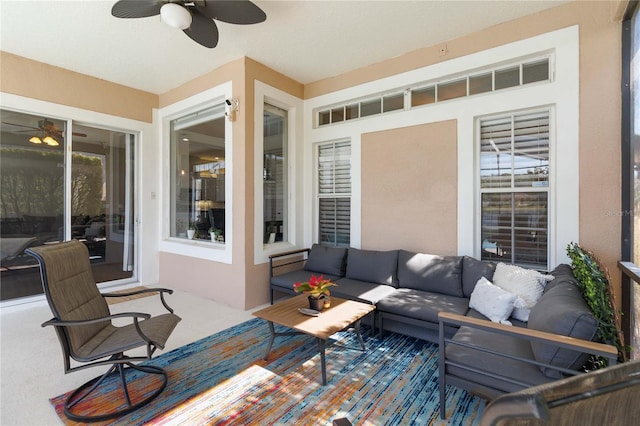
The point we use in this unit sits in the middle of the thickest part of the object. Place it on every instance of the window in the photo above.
(198, 176)
(334, 193)
(514, 188)
(448, 87)
(41, 204)
(274, 174)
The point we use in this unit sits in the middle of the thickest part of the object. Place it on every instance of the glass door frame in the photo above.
(146, 270)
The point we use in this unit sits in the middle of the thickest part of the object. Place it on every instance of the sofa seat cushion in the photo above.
(326, 260)
(528, 374)
(361, 291)
(562, 310)
(422, 305)
(285, 281)
(377, 267)
(428, 272)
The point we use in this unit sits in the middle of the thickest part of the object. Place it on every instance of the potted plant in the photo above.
(215, 233)
(318, 290)
(191, 232)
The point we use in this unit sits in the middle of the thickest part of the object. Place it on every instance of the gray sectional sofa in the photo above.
(409, 289)
(427, 296)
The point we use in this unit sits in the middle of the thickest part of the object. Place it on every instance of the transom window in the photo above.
(496, 77)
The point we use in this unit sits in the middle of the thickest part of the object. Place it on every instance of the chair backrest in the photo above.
(70, 289)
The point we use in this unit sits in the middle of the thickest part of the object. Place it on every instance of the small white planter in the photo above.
(191, 233)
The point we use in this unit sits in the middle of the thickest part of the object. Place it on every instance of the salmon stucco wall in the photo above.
(409, 188)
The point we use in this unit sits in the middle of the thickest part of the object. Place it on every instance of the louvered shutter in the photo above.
(334, 193)
(514, 184)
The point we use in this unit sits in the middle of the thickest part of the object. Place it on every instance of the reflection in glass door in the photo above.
(101, 199)
(34, 209)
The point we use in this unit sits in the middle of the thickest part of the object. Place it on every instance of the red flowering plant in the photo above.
(315, 287)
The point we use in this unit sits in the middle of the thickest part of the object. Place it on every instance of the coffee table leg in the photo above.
(273, 335)
(356, 326)
(323, 365)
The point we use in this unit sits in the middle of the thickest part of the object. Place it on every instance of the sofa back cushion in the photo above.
(378, 267)
(326, 260)
(474, 269)
(562, 310)
(428, 272)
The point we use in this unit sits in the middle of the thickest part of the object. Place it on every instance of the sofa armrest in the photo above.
(607, 351)
(287, 258)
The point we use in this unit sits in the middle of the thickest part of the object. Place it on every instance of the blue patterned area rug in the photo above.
(223, 380)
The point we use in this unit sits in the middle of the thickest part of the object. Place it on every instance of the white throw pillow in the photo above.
(525, 283)
(492, 301)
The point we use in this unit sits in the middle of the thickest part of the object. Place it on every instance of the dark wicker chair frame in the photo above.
(610, 396)
(83, 324)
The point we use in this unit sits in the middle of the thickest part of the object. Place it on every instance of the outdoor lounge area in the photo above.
(460, 176)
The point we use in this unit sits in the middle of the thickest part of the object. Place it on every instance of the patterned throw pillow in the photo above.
(527, 284)
(492, 301)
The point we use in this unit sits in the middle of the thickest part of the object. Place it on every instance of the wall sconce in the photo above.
(230, 108)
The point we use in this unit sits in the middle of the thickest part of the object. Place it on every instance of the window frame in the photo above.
(334, 195)
(201, 249)
(264, 93)
(549, 189)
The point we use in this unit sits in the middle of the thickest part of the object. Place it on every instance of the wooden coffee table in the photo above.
(339, 316)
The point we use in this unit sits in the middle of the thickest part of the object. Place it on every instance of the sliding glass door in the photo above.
(54, 189)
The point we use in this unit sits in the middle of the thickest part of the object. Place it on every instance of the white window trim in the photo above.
(562, 93)
(264, 93)
(195, 248)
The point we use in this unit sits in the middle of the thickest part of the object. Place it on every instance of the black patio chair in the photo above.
(610, 396)
(83, 323)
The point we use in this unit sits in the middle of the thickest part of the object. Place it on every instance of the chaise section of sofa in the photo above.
(490, 359)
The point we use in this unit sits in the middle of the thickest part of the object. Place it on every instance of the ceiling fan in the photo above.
(194, 17)
(47, 132)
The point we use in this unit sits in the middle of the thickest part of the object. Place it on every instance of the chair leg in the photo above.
(88, 388)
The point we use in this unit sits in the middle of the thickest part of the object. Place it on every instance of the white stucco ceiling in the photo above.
(305, 40)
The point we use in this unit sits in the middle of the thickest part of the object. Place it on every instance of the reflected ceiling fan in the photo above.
(47, 132)
(194, 17)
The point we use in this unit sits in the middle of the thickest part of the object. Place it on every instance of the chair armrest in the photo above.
(278, 256)
(62, 323)
(142, 291)
(607, 351)
(158, 290)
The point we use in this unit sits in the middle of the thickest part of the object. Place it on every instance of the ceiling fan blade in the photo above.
(136, 8)
(21, 125)
(203, 31)
(241, 12)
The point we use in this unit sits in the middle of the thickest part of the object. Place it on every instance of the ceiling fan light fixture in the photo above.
(35, 139)
(175, 16)
(50, 141)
